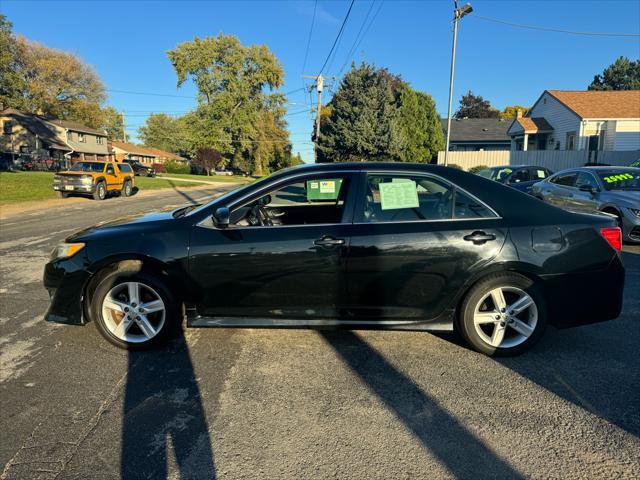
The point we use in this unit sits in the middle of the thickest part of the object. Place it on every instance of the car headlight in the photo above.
(66, 250)
(86, 179)
(635, 211)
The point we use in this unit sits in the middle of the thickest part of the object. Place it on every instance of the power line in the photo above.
(373, 19)
(306, 53)
(346, 17)
(548, 29)
(351, 50)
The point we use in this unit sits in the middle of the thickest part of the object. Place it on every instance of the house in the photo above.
(580, 120)
(34, 135)
(475, 134)
(120, 151)
(164, 156)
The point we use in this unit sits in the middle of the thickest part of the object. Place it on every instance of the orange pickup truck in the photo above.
(96, 179)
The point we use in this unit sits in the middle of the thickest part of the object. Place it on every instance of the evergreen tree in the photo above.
(623, 74)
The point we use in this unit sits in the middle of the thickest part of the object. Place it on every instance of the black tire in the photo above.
(100, 193)
(173, 307)
(465, 322)
(127, 189)
(62, 194)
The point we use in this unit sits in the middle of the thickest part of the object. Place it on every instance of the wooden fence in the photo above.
(555, 160)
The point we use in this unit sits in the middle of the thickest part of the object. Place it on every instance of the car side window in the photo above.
(538, 174)
(566, 179)
(110, 170)
(585, 178)
(469, 207)
(521, 175)
(303, 202)
(124, 167)
(397, 198)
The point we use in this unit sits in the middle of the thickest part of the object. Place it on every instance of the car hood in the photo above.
(625, 198)
(144, 221)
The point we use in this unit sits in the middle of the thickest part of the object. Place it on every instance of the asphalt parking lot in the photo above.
(251, 404)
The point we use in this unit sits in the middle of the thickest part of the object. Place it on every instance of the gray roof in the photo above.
(38, 126)
(478, 129)
(78, 127)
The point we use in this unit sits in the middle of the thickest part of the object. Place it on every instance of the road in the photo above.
(300, 403)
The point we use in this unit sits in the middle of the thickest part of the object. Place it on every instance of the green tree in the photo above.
(474, 106)
(57, 84)
(235, 89)
(11, 83)
(358, 126)
(511, 111)
(623, 74)
(416, 127)
(112, 123)
(164, 132)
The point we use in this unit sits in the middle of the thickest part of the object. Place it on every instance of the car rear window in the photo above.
(620, 179)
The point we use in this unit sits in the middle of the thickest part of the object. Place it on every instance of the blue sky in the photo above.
(126, 41)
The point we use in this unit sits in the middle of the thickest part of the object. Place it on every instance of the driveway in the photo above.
(301, 403)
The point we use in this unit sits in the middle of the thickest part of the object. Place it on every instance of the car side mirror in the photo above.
(221, 217)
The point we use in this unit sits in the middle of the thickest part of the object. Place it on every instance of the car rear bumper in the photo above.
(65, 281)
(583, 298)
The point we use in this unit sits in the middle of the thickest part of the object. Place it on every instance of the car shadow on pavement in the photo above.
(463, 453)
(163, 411)
(188, 197)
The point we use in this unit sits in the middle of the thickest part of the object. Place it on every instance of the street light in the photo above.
(458, 13)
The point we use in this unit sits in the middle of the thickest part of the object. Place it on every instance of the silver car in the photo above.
(613, 190)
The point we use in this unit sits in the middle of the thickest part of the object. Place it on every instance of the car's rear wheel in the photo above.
(127, 189)
(100, 192)
(134, 310)
(503, 314)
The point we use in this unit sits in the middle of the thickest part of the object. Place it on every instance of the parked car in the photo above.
(141, 170)
(223, 172)
(520, 177)
(359, 245)
(97, 179)
(612, 190)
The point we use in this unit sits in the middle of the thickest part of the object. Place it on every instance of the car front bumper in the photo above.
(630, 227)
(74, 187)
(65, 280)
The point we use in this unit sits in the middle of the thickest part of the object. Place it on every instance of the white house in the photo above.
(580, 120)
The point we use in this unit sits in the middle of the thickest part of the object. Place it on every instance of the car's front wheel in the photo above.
(503, 314)
(134, 310)
(100, 192)
(127, 189)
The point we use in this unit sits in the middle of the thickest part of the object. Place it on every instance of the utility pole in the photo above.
(458, 13)
(319, 86)
(124, 129)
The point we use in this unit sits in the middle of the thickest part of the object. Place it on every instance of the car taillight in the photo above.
(613, 235)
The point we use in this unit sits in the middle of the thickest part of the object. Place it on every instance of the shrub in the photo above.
(453, 165)
(477, 168)
(159, 168)
(172, 166)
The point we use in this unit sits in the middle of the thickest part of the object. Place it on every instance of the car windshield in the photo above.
(498, 173)
(245, 188)
(620, 179)
(88, 167)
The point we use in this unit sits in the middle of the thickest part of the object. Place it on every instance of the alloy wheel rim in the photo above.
(505, 317)
(101, 191)
(133, 312)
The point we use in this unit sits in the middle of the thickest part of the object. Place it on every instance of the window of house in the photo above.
(571, 141)
(69, 135)
(7, 127)
(100, 140)
(81, 138)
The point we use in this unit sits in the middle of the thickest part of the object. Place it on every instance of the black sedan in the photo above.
(367, 245)
(520, 177)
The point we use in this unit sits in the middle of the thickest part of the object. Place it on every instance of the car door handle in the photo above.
(478, 238)
(328, 242)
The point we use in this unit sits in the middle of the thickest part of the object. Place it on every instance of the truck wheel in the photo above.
(127, 189)
(62, 194)
(100, 192)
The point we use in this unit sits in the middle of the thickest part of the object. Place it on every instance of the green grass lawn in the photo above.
(212, 178)
(16, 187)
